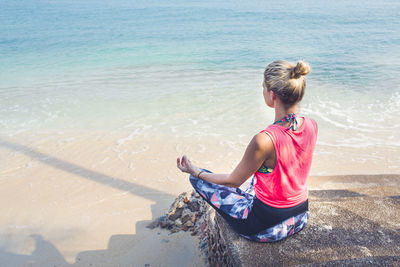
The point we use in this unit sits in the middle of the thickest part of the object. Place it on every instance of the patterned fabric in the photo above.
(280, 231)
(232, 201)
(263, 169)
(238, 203)
(291, 118)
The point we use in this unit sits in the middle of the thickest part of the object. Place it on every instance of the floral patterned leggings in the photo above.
(239, 207)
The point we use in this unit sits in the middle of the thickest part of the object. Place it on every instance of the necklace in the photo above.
(291, 118)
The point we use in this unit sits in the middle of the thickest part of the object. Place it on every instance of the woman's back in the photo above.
(286, 186)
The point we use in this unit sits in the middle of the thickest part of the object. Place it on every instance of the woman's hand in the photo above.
(185, 165)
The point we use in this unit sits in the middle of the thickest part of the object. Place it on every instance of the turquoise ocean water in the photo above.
(194, 68)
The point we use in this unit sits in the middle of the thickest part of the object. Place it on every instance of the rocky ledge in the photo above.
(354, 221)
(187, 213)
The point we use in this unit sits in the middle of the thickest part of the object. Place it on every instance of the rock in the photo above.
(186, 218)
(194, 206)
(170, 226)
(180, 205)
(356, 226)
(175, 214)
(203, 245)
(203, 226)
(185, 214)
(163, 224)
(189, 223)
(178, 222)
(153, 224)
(174, 230)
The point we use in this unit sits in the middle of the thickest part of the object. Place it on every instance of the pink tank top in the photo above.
(286, 185)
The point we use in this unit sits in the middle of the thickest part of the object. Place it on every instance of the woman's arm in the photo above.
(259, 149)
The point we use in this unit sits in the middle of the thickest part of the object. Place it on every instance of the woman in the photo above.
(276, 204)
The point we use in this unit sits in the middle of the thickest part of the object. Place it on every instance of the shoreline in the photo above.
(218, 153)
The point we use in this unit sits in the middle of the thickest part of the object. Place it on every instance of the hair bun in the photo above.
(301, 69)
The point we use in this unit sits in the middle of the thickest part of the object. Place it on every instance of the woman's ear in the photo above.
(273, 95)
(272, 98)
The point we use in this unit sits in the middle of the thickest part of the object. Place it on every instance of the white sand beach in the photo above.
(78, 200)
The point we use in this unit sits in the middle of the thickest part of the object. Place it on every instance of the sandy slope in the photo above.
(84, 199)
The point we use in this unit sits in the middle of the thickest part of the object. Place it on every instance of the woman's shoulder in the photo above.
(311, 122)
(262, 142)
(262, 138)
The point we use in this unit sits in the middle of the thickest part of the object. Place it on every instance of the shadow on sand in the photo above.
(45, 253)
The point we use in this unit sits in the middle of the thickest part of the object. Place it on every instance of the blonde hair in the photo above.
(287, 80)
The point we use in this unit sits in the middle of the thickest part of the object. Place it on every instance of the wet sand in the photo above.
(86, 198)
